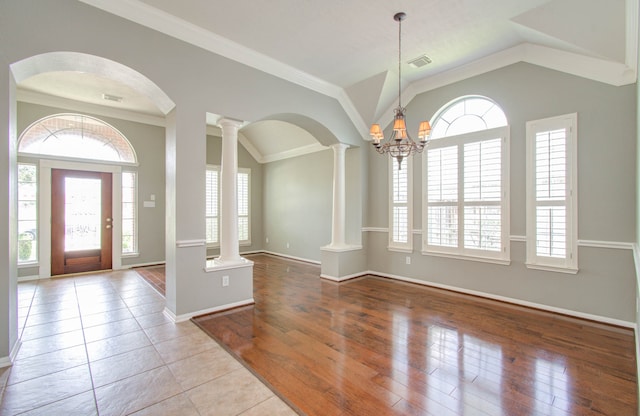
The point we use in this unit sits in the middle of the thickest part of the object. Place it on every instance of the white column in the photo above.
(229, 245)
(339, 196)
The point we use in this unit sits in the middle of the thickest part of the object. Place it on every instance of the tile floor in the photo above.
(100, 345)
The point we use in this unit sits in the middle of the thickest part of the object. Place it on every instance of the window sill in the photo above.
(502, 262)
(129, 255)
(28, 265)
(555, 269)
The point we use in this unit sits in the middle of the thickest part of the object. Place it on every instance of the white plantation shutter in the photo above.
(212, 204)
(212, 209)
(466, 203)
(400, 235)
(466, 196)
(551, 199)
(243, 205)
(551, 193)
(442, 197)
(483, 195)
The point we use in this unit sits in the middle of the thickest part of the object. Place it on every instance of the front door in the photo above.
(81, 221)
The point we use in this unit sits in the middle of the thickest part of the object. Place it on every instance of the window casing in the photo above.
(129, 212)
(27, 213)
(552, 220)
(212, 209)
(401, 205)
(466, 183)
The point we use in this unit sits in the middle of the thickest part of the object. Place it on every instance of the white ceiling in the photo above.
(349, 49)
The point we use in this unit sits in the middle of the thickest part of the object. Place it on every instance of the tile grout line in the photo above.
(86, 350)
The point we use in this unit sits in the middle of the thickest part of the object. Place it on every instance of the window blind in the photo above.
(212, 204)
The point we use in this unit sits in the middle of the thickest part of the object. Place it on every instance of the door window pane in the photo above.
(82, 214)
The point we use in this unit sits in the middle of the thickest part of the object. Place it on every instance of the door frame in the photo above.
(44, 209)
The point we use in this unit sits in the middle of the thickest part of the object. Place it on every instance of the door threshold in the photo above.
(81, 273)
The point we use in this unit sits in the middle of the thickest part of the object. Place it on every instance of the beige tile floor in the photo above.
(100, 345)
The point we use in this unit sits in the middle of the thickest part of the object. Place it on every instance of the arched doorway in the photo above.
(87, 225)
(71, 64)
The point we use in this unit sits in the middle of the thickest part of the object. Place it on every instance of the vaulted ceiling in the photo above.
(349, 49)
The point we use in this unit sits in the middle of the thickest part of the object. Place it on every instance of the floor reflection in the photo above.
(377, 346)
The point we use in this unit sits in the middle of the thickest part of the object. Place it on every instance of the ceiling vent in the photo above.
(110, 97)
(420, 61)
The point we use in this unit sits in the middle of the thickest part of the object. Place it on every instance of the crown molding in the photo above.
(609, 72)
(295, 152)
(163, 22)
(246, 143)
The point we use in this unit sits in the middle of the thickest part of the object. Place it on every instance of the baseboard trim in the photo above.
(533, 305)
(185, 317)
(287, 256)
(341, 279)
(151, 263)
(636, 262)
(28, 278)
(8, 361)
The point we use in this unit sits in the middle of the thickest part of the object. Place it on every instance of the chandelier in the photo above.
(400, 145)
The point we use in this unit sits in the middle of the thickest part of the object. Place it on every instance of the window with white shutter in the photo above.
(551, 194)
(212, 210)
(400, 205)
(244, 228)
(466, 184)
(212, 194)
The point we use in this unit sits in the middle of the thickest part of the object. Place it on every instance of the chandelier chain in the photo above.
(399, 62)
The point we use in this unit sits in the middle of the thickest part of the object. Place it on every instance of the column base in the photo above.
(221, 264)
(342, 262)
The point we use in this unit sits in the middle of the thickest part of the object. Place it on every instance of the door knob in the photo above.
(108, 225)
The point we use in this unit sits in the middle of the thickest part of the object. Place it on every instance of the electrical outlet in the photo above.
(408, 260)
(225, 281)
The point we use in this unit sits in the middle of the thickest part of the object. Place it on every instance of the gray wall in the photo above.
(245, 160)
(297, 203)
(605, 285)
(148, 142)
(636, 249)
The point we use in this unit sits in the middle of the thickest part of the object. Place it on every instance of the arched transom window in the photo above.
(76, 136)
(467, 115)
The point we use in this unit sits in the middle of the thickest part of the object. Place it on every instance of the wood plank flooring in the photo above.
(373, 346)
(155, 276)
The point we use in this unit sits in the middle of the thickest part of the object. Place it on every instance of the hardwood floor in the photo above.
(155, 276)
(373, 346)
